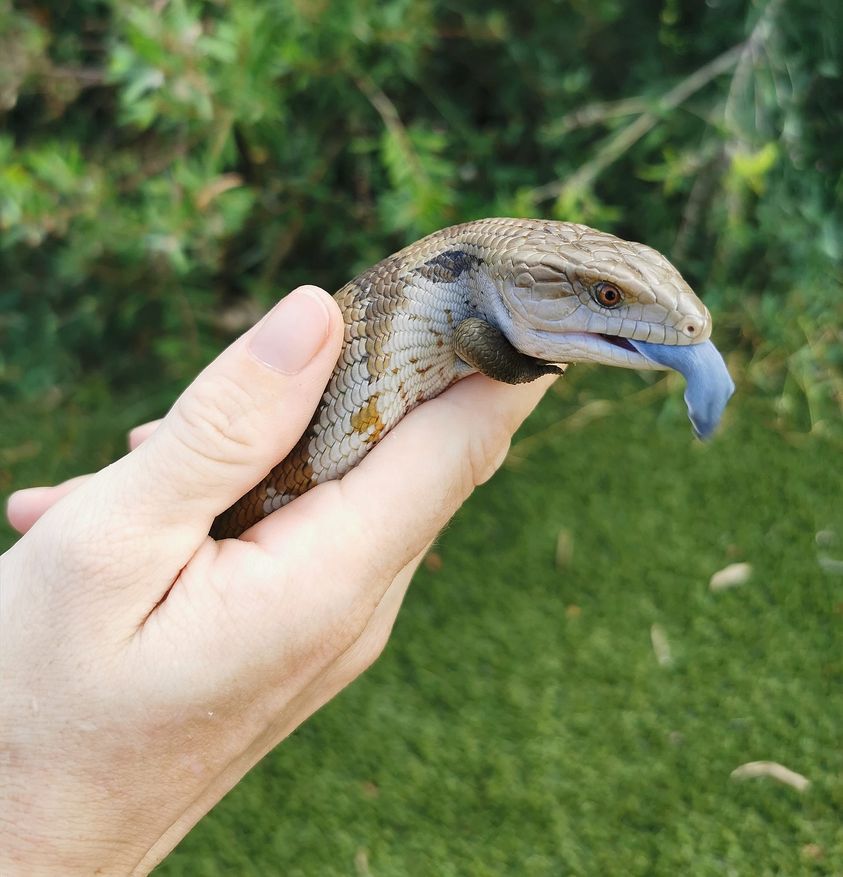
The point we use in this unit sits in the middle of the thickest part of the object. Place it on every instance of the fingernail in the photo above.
(292, 333)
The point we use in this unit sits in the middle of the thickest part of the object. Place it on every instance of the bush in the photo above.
(166, 169)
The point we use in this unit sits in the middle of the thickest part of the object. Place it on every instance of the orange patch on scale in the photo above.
(367, 421)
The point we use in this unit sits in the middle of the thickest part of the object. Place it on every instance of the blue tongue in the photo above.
(709, 384)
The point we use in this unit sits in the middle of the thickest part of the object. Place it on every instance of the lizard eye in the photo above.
(607, 294)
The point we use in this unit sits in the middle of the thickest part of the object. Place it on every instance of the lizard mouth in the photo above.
(709, 385)
(618, 341)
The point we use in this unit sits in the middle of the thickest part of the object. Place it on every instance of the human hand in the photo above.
(146, 667)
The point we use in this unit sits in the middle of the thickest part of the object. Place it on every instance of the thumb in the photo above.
(240, 416)
(245, 411)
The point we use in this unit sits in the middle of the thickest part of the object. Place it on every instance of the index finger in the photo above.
(383, 512)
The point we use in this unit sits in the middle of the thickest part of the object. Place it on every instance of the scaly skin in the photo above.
(533, 281)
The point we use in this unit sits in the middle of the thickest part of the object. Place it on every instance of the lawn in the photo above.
(521, 720)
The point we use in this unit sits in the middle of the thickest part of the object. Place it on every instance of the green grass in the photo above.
(519, 721)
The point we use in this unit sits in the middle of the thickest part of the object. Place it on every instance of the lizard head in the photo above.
(569, 293)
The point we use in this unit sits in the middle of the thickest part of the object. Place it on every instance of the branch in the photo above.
(597, 113)
(758, 36)
(391, 119)
(617, 144)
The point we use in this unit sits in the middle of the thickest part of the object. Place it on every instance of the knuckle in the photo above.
(89, 553)
(359, 654)
(486, 452)
(343, 633)
(368, 648)
(216, 419)
(484, 449)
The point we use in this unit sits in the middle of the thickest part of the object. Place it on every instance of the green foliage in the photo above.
(164, 164)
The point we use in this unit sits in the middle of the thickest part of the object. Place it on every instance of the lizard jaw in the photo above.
(611, 350)
(709, 385)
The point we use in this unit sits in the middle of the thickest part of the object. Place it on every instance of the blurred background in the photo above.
(566, 692)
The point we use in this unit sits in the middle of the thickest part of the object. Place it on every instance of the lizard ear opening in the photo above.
(485, 348)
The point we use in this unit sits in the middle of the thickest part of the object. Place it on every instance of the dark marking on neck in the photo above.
(448, 266)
